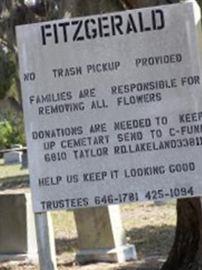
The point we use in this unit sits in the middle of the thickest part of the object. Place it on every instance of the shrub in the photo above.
(6, 131)
(11, 131)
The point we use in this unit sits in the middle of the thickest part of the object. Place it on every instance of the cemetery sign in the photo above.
(113, 107)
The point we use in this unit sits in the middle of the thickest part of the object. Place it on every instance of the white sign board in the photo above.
(113, 107)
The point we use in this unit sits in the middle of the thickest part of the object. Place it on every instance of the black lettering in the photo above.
(131, 27)
(55, 33)
(117, 22)
(90, 34)
(103, 26)
(161, 24)
(141, 22)
(44, 33)
(76, 36)
(64, 27)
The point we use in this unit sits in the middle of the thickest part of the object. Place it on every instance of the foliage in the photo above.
(7, 71)
(11, 131)
(14, 13)
(18, 135)
(5, 134)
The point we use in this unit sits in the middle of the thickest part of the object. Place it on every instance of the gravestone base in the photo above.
(120, 255)
(17, 228)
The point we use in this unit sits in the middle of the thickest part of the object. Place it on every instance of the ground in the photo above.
(149, 226)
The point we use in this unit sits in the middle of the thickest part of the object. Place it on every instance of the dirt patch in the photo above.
(150, 264)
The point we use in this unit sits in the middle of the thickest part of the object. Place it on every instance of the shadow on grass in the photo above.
(153, 244)
(15, 184)
(66, 245)
(152, 240)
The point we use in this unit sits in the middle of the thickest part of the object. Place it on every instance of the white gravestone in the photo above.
(113, 107)
(12, 157)
(17, 228)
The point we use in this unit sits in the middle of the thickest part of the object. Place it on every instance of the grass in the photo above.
(9, 171)
(150, 227)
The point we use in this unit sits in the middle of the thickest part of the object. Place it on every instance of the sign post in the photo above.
(46, 241)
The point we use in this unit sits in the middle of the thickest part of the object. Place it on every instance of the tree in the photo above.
(7, 71)
(12, 13)
(186, 252)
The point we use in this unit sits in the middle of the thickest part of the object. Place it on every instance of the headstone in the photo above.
(12, 157)
(101, 236)
(17, 229)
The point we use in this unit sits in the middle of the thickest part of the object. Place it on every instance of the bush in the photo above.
(11, 132)
(5, 134)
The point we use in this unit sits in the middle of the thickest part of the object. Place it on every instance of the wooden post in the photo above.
(45, 241)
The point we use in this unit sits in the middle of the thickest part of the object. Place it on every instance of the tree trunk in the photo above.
(186, 253)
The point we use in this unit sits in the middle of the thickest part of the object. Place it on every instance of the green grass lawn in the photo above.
(8, 171)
